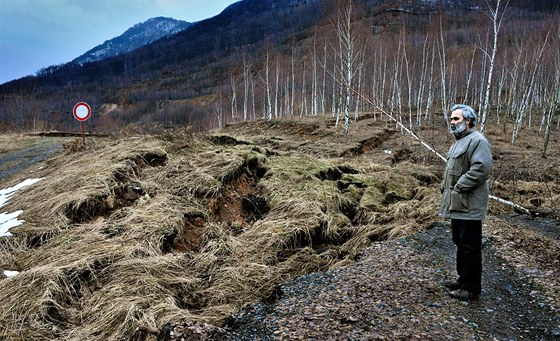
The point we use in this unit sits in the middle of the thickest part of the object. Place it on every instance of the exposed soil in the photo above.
(274, 230)
(394, 290)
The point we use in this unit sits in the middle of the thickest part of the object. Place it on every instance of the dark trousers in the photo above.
(467, 235)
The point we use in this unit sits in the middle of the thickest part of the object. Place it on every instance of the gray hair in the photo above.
(468, 112)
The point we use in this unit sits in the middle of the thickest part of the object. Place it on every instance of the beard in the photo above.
(458, 129)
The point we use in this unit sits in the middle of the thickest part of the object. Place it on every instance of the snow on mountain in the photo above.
(137, 36)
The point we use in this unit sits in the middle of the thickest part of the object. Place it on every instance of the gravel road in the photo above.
(394, 292)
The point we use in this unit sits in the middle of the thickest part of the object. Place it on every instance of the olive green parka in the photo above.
(465, 181)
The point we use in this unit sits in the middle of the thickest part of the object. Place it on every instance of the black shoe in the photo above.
(464, 295)
(452, 284)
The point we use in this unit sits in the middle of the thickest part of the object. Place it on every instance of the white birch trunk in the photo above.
(421, 83)
(314, 86)
(254, 108)
(443, 71)
(245, 89)
(501, 85)
(430, 99)
(409, 82)
(293, 79)
(233, 99)
(324, 86)
(303, 106)
(276, 89)
(361, 71)
(334, 88)
(218, 111)
(469, 77)
(267, 83)
(527, 96)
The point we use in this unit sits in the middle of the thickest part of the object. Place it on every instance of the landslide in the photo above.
(132, 237)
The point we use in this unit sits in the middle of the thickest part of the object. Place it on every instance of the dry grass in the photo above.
(140, 232)
(11, 142)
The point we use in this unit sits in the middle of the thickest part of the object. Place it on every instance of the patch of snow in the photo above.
(9, 220)
(9, 273)
(5, 194)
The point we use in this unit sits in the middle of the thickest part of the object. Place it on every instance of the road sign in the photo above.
(82, 111)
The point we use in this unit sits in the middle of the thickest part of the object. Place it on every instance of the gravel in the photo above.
(394, 291)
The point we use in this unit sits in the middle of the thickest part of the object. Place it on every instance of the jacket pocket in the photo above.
(456, 159)
(452, 179)
(459, 202)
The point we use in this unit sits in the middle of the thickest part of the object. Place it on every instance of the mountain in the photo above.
(247, 25)
(260, 54)
(137, 36)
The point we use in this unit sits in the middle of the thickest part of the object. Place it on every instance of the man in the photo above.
(465, 199)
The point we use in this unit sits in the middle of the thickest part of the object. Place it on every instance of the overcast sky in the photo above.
(40, 33)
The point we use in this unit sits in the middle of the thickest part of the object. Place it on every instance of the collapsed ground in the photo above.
(128, 238)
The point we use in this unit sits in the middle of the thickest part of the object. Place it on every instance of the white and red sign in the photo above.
(82, 111)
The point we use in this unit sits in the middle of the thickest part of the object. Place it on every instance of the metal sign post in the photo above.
(82, 111)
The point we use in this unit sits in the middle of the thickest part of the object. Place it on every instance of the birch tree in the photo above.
(496, 14)
(549, 111)
(268, 106)
(421, 82)
(361, 71)
(469, 78)
(233, 98)
(553, 99)
(430, 99)
(314, 82)
(303, 105)
(443, 72)
(276, 89)
(501, 87)
(253, 100)
(293, 80)
(245, 88)
(409, 80)
(218, 110)
(527, 94)
(20, 108)
(324, 84)
(347, 35)
(334, 102)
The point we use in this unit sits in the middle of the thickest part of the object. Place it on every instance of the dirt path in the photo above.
(394, 292)
(513, 306)
(17, 160)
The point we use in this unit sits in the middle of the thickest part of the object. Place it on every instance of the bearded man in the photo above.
(465, 199)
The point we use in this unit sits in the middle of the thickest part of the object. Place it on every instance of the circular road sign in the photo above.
(82, 111)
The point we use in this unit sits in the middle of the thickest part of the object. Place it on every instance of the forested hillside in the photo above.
(266, 59)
